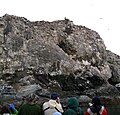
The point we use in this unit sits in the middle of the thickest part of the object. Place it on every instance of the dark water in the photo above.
(113, 109)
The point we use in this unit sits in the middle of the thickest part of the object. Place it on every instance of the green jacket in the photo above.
(14, 113)
(28, 109)
(73, 107)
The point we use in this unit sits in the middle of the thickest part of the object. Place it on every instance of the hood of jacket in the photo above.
(73, 103)
(96, 109)
(52, 103)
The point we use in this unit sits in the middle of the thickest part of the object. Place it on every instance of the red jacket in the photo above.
(102, 111)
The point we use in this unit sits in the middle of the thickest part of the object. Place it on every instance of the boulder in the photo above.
(59, 56)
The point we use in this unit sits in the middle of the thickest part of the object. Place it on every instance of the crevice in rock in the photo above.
(67, 47)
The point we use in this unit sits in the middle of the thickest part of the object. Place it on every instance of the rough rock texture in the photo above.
(114, 64)
(56, 56)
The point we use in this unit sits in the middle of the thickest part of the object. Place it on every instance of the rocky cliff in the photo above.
(55, 56)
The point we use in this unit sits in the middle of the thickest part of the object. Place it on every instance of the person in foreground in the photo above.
(53, 105)
(96, 108)
(30, 107)
(73, 107)
(8, 109)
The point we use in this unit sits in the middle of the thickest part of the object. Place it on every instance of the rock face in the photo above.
(57, 56)
(114, 64)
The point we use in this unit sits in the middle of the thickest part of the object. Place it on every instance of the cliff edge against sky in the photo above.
(56, 56)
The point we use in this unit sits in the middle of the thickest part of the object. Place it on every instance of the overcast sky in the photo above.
(100, 15)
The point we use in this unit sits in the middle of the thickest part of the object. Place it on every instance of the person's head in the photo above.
(54, 96)
(5, 109)
(32, 98)
(73, 103)
(56, 113)
(96, 100)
